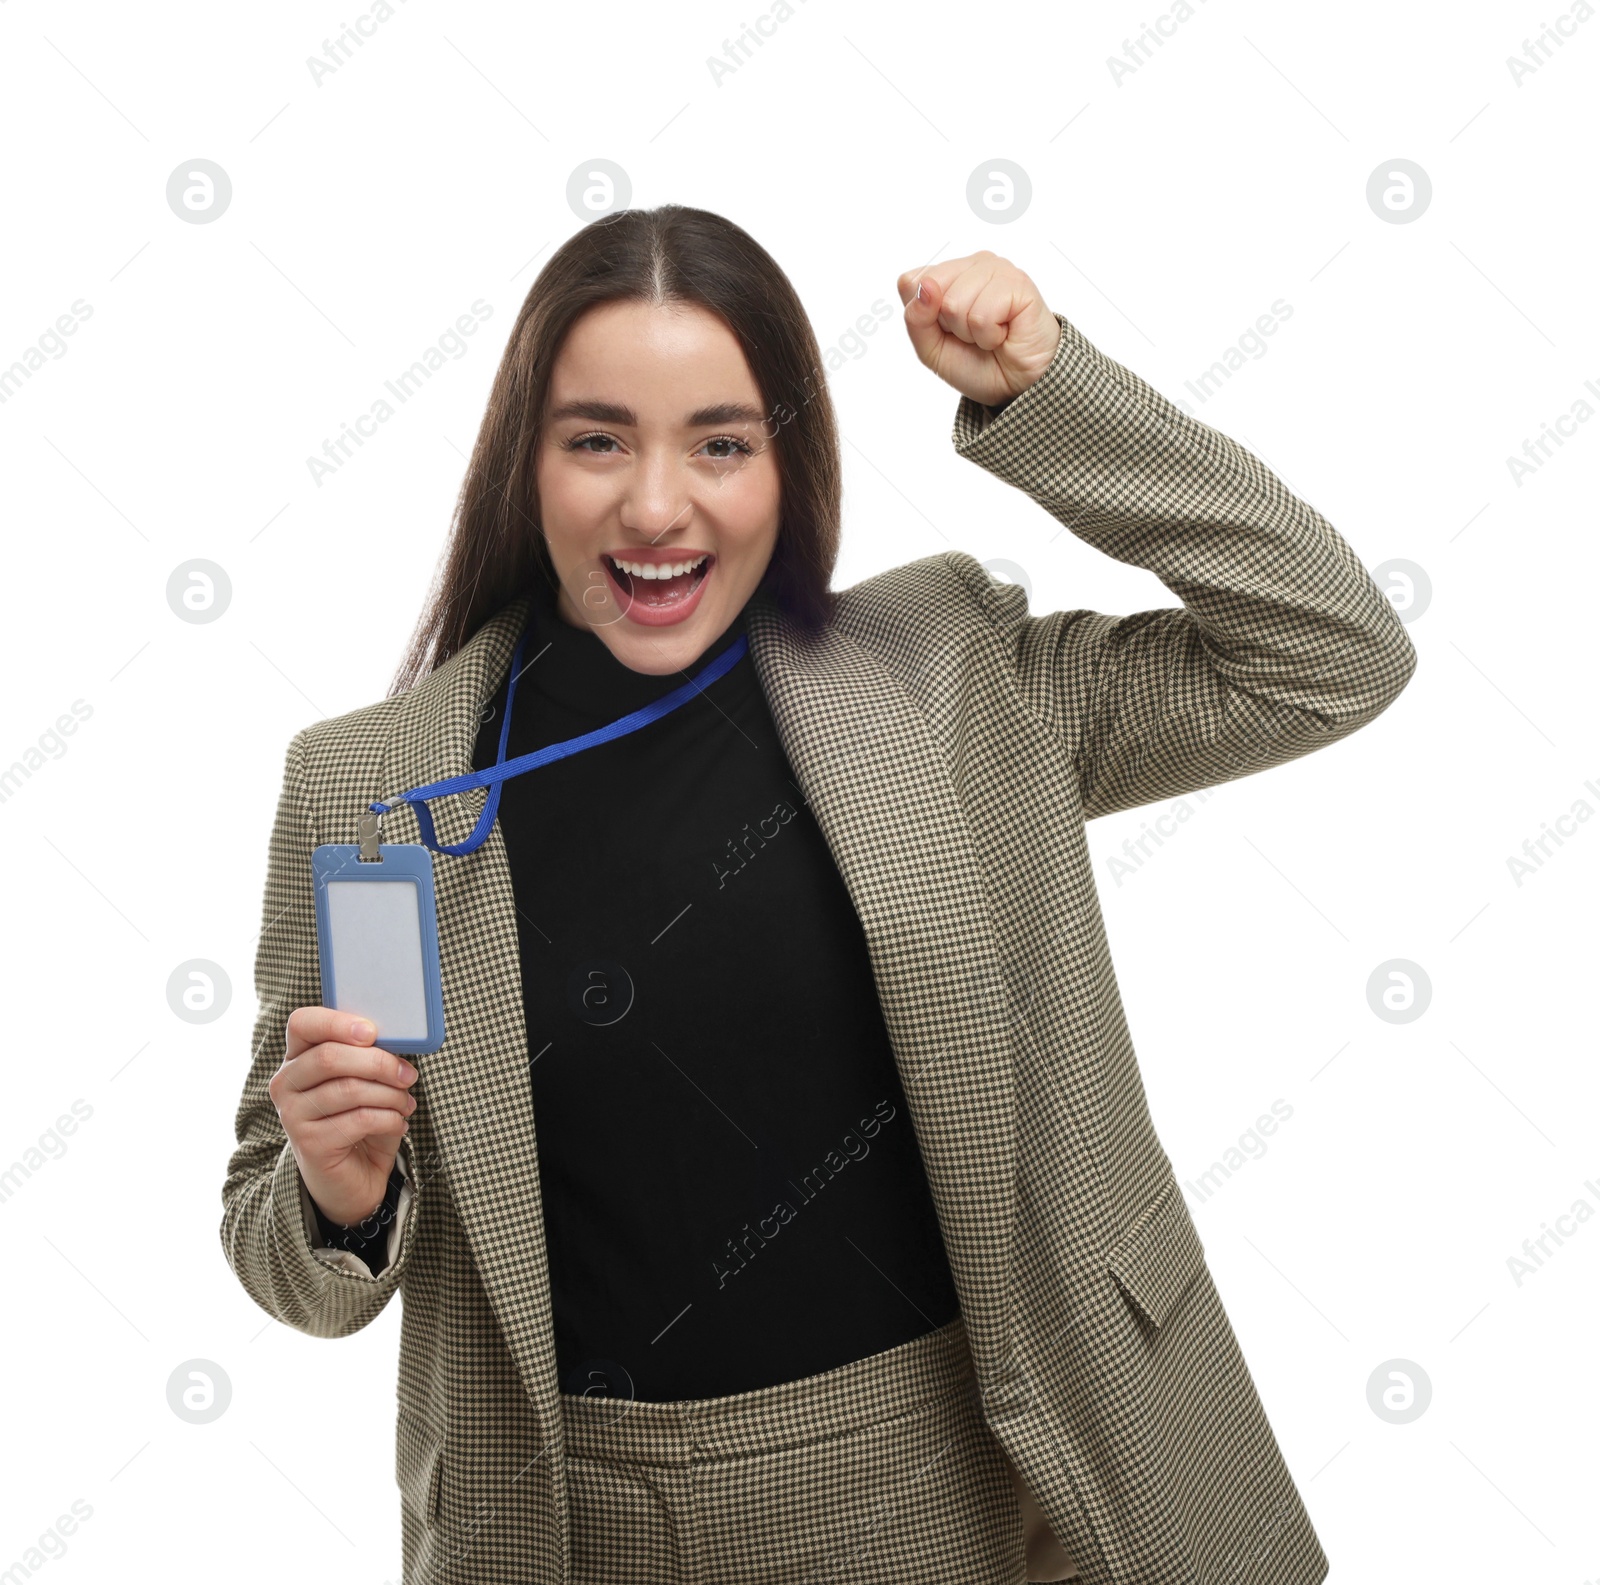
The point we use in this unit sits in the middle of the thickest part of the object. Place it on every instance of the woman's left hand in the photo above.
(980, 324)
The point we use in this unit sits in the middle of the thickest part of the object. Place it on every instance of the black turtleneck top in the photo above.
(733, 1193)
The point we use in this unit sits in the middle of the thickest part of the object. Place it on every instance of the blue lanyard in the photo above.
(503, 770)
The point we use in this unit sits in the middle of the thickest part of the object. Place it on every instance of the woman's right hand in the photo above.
(343, 1103)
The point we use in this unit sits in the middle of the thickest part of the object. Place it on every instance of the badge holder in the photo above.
(378, 937)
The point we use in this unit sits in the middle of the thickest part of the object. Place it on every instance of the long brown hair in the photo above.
(671, 254)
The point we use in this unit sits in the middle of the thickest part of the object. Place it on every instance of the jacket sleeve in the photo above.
(1283, 643)
(368, 1240)
(270, 1233)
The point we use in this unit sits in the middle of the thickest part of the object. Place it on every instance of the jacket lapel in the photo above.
(478, 1139)
(884, 799)
(882, 793)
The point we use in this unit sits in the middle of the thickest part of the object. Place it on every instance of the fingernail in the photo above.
(362, 1029)
(408, 1074)
(922, 291)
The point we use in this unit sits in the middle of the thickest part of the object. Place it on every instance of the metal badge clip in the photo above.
(367, 824)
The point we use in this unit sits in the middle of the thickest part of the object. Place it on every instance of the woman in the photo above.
(848, 1249)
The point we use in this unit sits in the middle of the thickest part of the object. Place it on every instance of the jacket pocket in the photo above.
(417, 1449)
(1157, 1258)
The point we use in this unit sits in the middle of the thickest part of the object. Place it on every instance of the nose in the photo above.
(652, 514)
(658, 494)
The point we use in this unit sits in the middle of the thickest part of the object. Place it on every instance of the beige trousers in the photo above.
(882, 1471)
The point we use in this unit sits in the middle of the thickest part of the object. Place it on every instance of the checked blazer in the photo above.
(951, 747)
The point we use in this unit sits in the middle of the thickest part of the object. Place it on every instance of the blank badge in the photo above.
(378, 941)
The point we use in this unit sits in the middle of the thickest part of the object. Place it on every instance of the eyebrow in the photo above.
(618, 413)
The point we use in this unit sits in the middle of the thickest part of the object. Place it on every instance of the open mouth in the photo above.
(656, 593)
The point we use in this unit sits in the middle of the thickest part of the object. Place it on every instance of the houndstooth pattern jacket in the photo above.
(951, 747)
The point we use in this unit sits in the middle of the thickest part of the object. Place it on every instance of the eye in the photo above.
(582, 443)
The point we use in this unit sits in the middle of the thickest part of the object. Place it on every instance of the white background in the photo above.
(1168, 212)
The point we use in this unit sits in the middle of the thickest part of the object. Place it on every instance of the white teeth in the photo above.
(648, 569)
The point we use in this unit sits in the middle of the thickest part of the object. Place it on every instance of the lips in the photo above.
(657, 602)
